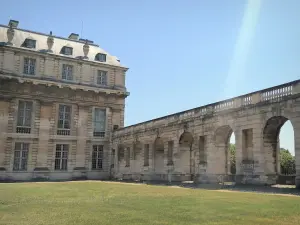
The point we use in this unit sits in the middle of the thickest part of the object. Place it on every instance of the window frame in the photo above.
(20, 158)
(27, 45)
(102, 75)
(67, 68)
(27, 67)
(61, 166)
(65, 52)
(63, 130)
(23, 127)
(101, 57)
(98, 158)
(102, 133)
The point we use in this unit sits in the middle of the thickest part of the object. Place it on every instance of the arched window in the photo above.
(100, 57)
(66, 50)
(29, 43)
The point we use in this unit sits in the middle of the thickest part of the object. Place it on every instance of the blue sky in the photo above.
(181, 54)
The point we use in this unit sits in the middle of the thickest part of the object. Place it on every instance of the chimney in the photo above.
(13, 23)
(74, 36)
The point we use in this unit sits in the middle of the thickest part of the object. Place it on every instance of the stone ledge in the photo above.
(41, 169)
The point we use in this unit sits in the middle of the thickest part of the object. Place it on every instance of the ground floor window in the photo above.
(61, 157)
(97, 157)
(21, 156)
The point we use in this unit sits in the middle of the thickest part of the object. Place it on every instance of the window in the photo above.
(67, 72)
(21, 156)
(67, 50)
(29, 66)
(100, 57)
(102, 77)
(146, 155)
(24, 117)
(97, 157)
(61, 157)
(29, 43)
(99, 122)
(64, 120)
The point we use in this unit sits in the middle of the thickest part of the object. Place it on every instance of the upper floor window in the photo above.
(100, 57)
(29, 43)
(21, 156)
(24, 117)
(67, 72)
(99, 122)
(102, 77)
(67, 50)
(29, 66)
(64, 120)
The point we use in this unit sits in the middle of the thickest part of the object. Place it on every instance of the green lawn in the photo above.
(92, 202)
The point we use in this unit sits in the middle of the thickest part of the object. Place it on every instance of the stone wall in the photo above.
(247, 116)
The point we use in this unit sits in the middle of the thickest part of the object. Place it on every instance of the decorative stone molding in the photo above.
(50, 42)
(10, 35)
(86, 49)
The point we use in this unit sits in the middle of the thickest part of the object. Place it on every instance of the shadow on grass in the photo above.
(274, 189)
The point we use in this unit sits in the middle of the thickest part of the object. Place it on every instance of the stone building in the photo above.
(60, 100)
(62, 117)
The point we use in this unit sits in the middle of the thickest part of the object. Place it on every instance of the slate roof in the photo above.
(59, 42)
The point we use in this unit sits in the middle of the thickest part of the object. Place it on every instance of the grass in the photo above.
(92, 202)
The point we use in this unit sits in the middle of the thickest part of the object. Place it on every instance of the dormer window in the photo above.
(100, 57)
(67, 50)
(29, 43)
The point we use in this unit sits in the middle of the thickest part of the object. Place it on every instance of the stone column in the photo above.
(151, 157)
(239, 152)
(4, 109)
(296, 126)
(44, 132)
(81, 136)
(166, 147)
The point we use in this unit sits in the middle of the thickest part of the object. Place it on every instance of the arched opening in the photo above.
(159, 155)
(279, 150)
(186, 161)
(225, 150)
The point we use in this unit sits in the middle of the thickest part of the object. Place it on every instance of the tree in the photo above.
(287, 162)
(232, 159)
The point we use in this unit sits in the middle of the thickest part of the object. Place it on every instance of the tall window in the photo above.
(61, 157)
(24, 117)
(67, 72)
(64, 120)
(29, 66)
(99, 122)
(97, 157)
(21, 156)
(146, 155)
(102, 77)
